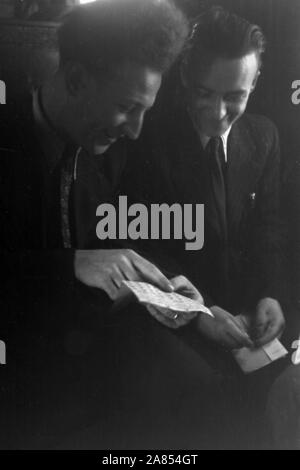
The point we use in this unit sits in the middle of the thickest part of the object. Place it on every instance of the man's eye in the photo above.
(236, 98)
(125, 108)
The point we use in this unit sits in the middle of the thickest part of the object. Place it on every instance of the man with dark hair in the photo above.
(113, 54)
(219, 73)
(221, 34)
(77, 356)
(207, 150)
(211, 152)
(113, 43)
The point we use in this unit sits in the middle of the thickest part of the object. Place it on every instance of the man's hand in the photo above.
(182, 286)
(268, 322)
(223, 329)
(106, 269)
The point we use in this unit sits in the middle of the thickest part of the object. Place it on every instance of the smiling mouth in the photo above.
(109, 137)
(220, 124)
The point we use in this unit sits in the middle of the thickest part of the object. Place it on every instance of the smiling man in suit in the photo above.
(240, 157)
(202, 147)
(210, 151)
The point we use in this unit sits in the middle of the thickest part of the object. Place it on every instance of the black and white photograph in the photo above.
(149, 227)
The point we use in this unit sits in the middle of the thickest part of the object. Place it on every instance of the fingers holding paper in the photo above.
(223, 329)
(107, 269)
(183, 286)
(177, 319)
(169, 318)
(268, 322)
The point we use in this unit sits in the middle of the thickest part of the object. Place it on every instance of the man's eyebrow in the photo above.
(136, 104)
(232, 92)
(139, 104)
(237, 92)
(135, 100)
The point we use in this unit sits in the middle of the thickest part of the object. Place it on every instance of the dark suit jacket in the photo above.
(31, 248)
(31, 198)
(167, 165)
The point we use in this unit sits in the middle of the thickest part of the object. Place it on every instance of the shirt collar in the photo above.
(51, 142)
(224, 137)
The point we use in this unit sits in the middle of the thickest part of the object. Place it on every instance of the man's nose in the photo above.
(134, 126)
(219, 108)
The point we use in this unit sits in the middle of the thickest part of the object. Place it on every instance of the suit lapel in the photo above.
(190, 177)
(189, 170)
(187, 160)
(242, 170)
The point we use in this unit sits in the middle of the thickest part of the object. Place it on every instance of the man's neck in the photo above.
(204, 138)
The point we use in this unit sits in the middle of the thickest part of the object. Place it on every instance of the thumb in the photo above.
(260, 323)
(183, 286)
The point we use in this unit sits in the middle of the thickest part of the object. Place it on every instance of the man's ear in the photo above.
(76, 78)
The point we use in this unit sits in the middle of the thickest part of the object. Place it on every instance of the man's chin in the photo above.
(99, 149)
(216, 129)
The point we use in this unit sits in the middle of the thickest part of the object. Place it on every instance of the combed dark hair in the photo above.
(220, 34)
(106, 32)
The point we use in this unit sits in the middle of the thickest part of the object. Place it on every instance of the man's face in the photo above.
(218, 97)
(115, 107)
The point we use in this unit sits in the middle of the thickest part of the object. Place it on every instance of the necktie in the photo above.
(217, 184)
(216, 211)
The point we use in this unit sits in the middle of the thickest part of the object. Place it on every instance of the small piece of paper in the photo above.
(250, 360)
(149, 294)
(275, 350)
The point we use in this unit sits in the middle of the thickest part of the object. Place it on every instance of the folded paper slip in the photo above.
(149, 294)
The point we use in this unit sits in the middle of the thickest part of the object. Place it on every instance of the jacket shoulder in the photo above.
(260, 127)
